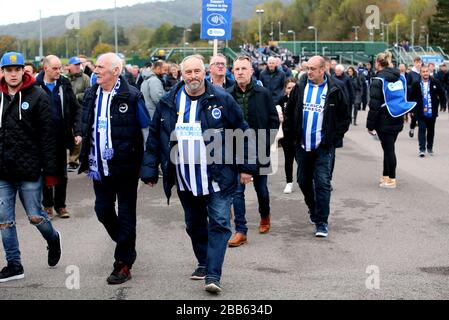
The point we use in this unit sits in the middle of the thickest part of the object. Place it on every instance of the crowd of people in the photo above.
(120, 123)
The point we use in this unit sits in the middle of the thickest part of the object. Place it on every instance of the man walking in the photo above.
(113, 118)
(428, 96)
(192, 110)
(28, 148)
(318, 115)
(261, 114)
(80, 82)
(66, 114)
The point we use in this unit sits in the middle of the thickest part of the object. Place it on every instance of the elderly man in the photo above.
(191, 111)
(273, 79)
(113, 116)
(66, 113)
(28, 148)
(218, 72)
(318, 116)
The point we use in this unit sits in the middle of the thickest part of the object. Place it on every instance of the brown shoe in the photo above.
(49, 211)
(264, 226)
(63, 213)
(237, 240)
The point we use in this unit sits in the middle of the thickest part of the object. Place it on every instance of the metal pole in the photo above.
(215, 47)
(115, 26)
(279, 31)
(388, 37)
(397, 33)
(294, 40)
(427, 41)
(260, 13)
(41, 42)
(413, 33)
(66, 47)
(316, 41)
(77, 45)
(272, 31)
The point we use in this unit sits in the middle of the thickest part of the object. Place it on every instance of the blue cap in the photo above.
(12, 59)
(74, 60)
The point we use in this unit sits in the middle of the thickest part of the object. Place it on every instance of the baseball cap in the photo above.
(74, 60)
(12, 59)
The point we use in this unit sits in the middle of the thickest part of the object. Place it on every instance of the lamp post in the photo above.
(397, 33)
(280, 32)
(413, 33)
(316, 38)
(302, 52)
(356, 38)
(294, 40)
(41, 42)
(272, 32)
(77, 44)
(260, 12)
(388, 31)
(184, 39)
(115, 27)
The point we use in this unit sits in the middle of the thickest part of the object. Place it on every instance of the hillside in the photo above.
(178, 12)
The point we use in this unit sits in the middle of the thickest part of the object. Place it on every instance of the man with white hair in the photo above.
(273, 79)
(113, 118)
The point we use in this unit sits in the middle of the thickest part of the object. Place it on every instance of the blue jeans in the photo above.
(30, 194)
(121, 226)
(263, 197)
(314, 175)
(209, 238)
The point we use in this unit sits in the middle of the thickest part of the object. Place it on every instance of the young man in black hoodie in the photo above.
(28, 148)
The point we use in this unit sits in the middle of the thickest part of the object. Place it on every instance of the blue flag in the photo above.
(395, 94)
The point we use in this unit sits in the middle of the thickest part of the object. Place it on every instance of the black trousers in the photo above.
(289, 155)
(121, 225)
(56, 196)
(387, 141)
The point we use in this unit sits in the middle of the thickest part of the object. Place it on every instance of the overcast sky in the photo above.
(30, 9)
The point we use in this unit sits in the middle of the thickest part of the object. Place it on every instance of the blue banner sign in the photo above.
(216, 20)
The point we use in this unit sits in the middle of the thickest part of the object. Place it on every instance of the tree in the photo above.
(439, 26)
(8, 43)
(102, 48)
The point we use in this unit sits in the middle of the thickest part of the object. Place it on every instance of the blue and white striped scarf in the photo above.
(101, 136)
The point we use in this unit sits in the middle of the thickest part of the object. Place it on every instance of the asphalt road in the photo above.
(382, 244)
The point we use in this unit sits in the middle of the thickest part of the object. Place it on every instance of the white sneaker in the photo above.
(288, 188)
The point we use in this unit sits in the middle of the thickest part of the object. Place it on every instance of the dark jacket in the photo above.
(412, 77)
(337, 115)
(379, 118)
(262, 115)
(347, 86)
(228, 82)
(159, 145)
(27, 138)
(274, 82)
(437, 96)
(72, 110)
(126, 133)
(357, 88)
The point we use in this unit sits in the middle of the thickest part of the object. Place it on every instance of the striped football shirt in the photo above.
(192, 172)
(313, 114)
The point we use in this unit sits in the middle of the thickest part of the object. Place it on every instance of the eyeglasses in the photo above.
(219, 64)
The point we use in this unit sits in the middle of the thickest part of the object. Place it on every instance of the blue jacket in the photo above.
(159, 144)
